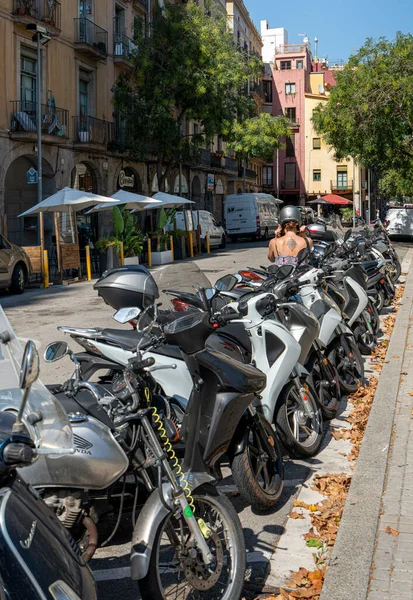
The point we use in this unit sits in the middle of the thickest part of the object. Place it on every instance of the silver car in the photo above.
(15, 267)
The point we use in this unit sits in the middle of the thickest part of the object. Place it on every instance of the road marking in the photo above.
(124, 572)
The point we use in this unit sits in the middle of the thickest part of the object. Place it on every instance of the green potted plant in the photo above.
(347, 214)
(109, 253)
(125, 231)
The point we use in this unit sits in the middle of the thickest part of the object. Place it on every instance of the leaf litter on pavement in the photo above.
(326, 515)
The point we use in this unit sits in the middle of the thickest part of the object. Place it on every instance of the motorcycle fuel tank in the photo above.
(98, 460)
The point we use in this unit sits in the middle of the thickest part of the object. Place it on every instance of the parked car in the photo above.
(254, 215)
(399, 222)
(15, 267)
(208, 224)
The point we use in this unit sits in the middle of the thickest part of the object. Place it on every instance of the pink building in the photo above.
(291, 70)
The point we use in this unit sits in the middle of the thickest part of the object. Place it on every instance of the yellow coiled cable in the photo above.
(170, 451)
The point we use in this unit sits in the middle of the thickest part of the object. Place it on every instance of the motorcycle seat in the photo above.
(232, 375)
(125, 338)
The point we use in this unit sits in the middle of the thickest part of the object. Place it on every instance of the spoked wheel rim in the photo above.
(267, 472)
(182, 574)
(304, 429)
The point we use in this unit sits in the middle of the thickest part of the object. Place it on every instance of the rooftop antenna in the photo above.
(315, 46)
(305, 38)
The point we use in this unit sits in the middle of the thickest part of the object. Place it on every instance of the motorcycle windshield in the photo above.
(184, 278)
(54, 430)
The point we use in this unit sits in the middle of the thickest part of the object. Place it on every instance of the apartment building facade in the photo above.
(91, 43)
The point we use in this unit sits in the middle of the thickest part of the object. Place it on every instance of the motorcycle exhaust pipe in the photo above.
(90, 526)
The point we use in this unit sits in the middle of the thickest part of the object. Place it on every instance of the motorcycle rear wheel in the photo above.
(349, 378)
(300, 434)
(174, 573)
(259, 478)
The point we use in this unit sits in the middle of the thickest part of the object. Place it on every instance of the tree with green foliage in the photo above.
(369, 114)
(258, 137)
(188, 69)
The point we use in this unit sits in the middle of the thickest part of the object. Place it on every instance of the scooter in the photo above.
(40, 559)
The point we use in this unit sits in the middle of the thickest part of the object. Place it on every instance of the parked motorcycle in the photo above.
(40, 559)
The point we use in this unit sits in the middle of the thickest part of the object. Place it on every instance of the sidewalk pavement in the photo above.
(373, 555)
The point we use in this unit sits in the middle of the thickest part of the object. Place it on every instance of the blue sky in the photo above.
(341, 26)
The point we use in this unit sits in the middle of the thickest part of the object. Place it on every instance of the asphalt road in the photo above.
(37, 313)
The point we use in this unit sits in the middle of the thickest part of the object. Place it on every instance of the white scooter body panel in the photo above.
(363, 299)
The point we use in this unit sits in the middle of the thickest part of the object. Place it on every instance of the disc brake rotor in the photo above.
(201, 576)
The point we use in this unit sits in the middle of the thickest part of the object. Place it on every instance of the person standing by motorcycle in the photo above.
(290, 238)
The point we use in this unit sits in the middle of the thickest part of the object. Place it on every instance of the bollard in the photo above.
(172, 247)
(121, 255)
(191, 245)
(45, 269)
(88, 264)
(208, 246)
(149, 253)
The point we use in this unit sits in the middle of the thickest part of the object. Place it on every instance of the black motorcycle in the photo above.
(40, 560)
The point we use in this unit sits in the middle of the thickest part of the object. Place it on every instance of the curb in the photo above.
(348, 574)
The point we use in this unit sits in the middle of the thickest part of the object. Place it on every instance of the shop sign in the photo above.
(32, 176)
(126, 180)
(211, 182)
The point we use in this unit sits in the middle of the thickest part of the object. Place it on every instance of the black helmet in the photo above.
(290, 213)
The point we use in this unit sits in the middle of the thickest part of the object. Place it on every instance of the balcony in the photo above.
(123, 48)
(250, 173)
(231, 164)
(294, 122)
(289, 185)
(91, 132)
(341, 185)
(32, 11)
(256, 90)
(55, 122)
(90, 38)
(217, 161)
(291, 49)
(140, 4)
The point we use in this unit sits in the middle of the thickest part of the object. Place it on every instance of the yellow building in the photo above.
(323, 173)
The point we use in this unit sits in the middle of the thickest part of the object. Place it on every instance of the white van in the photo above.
(399, 222)
(252, 214)
(208, 223)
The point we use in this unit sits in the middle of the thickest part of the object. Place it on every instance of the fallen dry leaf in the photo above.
(394, 532)
(296, 515)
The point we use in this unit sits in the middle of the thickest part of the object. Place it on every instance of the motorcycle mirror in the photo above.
(210, 293)
(302, 255)
(347, 235)
(29, 372)
(124, 315)
(56, 351)
(226, 283)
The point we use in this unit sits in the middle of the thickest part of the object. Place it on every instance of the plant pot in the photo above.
(131, 260)
(108, 260)
(162, 258)
(84, 136)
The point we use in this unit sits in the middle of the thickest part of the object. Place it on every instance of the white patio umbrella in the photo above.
(65, 200)
(169, 200)
(130, 200)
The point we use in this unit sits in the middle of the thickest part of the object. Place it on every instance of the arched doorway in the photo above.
(196, 191)
(85, 178)
(184, 186)
(129, 180)
(20, 196)
(155, 184)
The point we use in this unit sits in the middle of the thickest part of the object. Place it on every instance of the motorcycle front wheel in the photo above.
(259, 477)
(176, 568)
(394, 269)
(300, 433)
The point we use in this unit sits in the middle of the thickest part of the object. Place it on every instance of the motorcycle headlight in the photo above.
(61, 591)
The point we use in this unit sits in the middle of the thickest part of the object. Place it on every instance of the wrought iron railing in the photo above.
(47, 11)
(231, 164)
(89, 130)
(341, 184)
(55, 121)
(87, 32)
(123, 46)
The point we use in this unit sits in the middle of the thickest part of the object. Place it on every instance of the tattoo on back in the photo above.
(291, 243)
